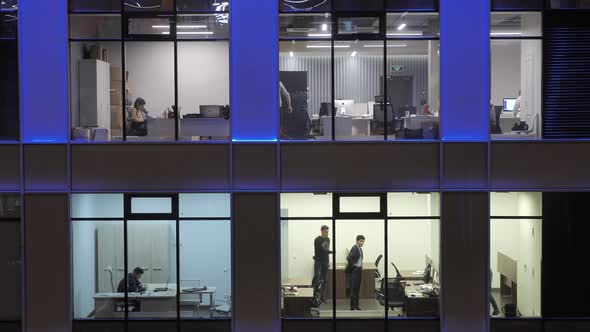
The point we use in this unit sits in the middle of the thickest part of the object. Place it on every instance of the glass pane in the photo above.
(204, 90)
(9, 90)
(305, 6)
(358, 6)
(515, 24)
(151, 205)
(360, 204)
(104, 26)
(305, 26)
(358, 25)
(10, 268)
(515, 249)
(150, 90)
(411, 5)
(358, 81)
(151, 249)
(516, 204)
(95, 6)
(305, 89)
(306, 205)
(305, 262)
(358, 245)
(97, 206)
(204, 205)
(97, 269)
(203, 5)
(413, 204)
(201, 26)
(413, 89)
(413, 268)
(148, 5)
(10, 206)
(569, 4)
(8, 24)
(96, 97)
(205, 280)
(149, 26)
(517, 4)
(412, 25)
(516, 88)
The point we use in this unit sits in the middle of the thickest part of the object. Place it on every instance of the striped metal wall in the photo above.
(566, 70)
(356, 78)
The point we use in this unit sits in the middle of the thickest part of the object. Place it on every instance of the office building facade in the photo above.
(169, 165)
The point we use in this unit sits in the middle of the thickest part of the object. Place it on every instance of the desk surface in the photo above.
(151, 294)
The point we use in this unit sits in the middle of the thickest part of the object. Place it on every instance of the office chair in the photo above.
(377, 274)
(224, 309)
(497, 111)
(110, 272)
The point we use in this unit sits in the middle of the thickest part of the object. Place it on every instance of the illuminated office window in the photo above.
(9, 85)
(10, 258)
(516, 75)
(359, 72)
(515, 254)
(125, 249)
(146, 71)
(398, 235)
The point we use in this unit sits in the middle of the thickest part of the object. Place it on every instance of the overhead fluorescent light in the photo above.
(353, 53)
(327, 46)
(505, 33)
(319, 35)
(381, 45)
(407, 33)
(291, 54)
(189, 32)
(161, 26)
(324, 27)
(179, 26)
(401, 26)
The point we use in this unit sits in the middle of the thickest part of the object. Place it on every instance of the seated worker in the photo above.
(135, 285)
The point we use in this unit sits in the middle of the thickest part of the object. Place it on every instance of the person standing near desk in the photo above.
(139, 118)
(355, 269)
(516, 109)
(135, 286)
(321, 261)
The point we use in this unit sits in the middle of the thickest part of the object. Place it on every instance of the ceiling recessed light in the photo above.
(401, 26)
(291, 54)
(324, 27)
(328, 46)
(353, 53)
(505, 33)
(408, 33)
(319, 35)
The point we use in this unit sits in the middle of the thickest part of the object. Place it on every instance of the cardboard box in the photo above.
(116, 74)
(116, 98)
(116, 117)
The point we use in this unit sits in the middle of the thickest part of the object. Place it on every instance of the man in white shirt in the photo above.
(516, 109)
(355, 268)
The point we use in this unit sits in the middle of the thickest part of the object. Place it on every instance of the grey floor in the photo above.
(370, 308)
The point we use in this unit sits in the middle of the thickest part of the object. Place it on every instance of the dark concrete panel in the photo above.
(516, 325)
(567, 326)
(150, 167)
(45, 167)
(356, 325)
(10, 271)
(9, 167)
(217, 325)
(417, 325)
(255, 236)
(360, 166)
(255, 166)
(14, 326)
(98, 326)
(535, 165)
(314, 325)
(152, 326)
(465, 166)
(47, 260)
(464, 262)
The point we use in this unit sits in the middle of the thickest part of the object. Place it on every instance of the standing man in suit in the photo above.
(355, 269)
(321, 261)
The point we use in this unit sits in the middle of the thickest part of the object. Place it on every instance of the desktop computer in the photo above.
(509, 104)
(344, 106)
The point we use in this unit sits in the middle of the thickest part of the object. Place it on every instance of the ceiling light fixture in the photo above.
(291, 54)
(180, 26)
(353, 54)
(404, 34)
(381, 45)
(505, 33)
(401, 26)
(319, 35)
(327, 46)
(324, 27)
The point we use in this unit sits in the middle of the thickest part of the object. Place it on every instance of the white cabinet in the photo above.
(94, 84)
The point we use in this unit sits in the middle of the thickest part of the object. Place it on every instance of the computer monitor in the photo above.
(325, 109)
(344, 105)
(427, 277)
(211, 111)
(509, 104)
(379, 114)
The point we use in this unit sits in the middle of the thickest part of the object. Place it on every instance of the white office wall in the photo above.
(205, 254)
(84, 267)
(204, 205)
(97, 206)
(504, 238)
(434, 75)
(531, 82)
(306, 205)
(505, 70)
(413, 204)
(203, 75)
(519, 204)
(408, 242)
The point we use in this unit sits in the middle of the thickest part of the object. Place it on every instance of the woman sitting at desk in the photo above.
(139, 117)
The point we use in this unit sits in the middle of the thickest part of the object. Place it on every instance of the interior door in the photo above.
(526, 267)
(400, 91)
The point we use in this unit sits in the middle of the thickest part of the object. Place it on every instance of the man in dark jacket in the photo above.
(355, 269)
(321, 261)
(133, 282)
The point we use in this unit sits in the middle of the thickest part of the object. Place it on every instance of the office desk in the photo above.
(150, 301)
(419, 304)
(297, 304)
(161, 128)
(416, 122)
(407, 274)
(367, 290)
(507, 122)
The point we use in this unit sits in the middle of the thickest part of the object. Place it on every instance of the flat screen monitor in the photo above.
(509, 104)
(210, 111)
(344, 106)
